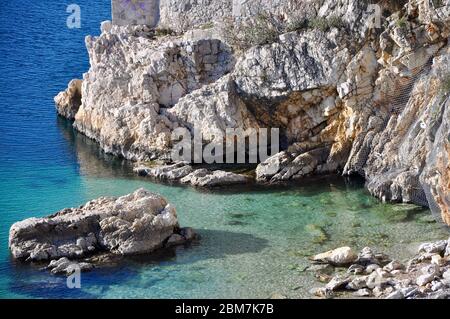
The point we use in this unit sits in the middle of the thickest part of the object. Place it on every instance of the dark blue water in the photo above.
(255, 243)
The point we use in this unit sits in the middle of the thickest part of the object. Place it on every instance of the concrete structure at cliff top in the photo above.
(347, 97)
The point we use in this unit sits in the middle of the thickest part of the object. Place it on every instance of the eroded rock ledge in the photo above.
(185, 174)
(138, 223)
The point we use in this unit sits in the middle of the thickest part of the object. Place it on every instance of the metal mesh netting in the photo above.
(399, 180)
(438, 153)
(415, 188)
(398, 100)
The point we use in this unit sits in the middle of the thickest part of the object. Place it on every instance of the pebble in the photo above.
(424, 279)
(357, 283)
(424, 276)
(438, 260)
(367, 257)
(278, 296)
(377, 292)
(321, 292)
(433, 248)
(356, 269)
(371, 268)
(388, 290)
(437, 285)
(409, 291)
(393, 265)
(428, 274)
(337, 282)
(339, 257)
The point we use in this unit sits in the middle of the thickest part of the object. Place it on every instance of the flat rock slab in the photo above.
(137, 223)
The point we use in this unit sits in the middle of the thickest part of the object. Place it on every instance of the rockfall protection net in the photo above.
(398, 100)
(432, 159)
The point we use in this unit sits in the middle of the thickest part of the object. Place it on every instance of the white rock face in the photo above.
(133, 224)
(212, 109)
(133, 78)
(298, 62)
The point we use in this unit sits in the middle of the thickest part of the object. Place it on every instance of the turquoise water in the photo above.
(255, 242)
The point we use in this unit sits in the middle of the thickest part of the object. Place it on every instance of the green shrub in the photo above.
(402, 23)
(336, 22)
(438, 3)
(263, 29)
(297, 24)
(266, 29)
(207, 26)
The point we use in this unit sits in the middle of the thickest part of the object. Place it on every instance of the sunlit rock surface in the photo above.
(347, 97)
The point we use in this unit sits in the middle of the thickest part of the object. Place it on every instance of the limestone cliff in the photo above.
(349, 95)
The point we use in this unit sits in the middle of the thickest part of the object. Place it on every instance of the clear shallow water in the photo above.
(255, 242)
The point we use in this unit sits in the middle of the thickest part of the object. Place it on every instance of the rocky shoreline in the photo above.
(91, 235)
(369, 274)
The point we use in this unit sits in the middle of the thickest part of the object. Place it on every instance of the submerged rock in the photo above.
(206, 178)
(137, 223)
(433, 248)
(173, 172)
(66, 266)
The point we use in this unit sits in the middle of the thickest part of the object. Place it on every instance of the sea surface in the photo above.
(255, 241)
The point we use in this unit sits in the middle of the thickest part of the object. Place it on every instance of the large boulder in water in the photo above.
(133, 224)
